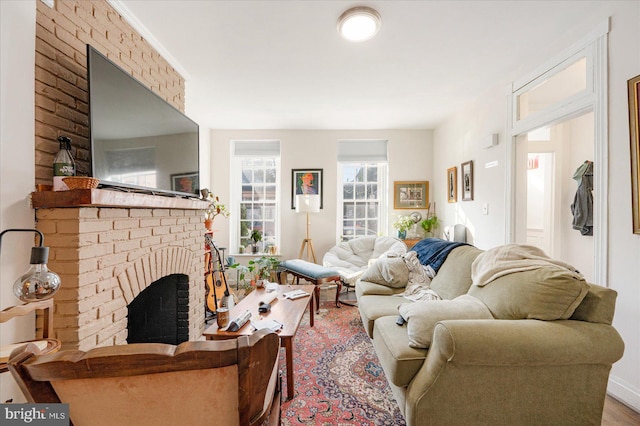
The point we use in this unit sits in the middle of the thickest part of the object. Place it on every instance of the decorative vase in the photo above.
(402, 234)
(208, 223)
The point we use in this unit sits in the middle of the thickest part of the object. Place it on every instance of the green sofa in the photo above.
(488, 371)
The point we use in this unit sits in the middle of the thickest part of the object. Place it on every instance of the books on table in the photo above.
(295, 294)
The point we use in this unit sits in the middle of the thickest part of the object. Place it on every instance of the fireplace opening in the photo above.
(160, 313)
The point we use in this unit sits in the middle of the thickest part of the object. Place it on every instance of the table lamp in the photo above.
(307, 203)
(38, 283)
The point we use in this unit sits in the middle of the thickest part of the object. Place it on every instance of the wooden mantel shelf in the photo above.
(111, 198)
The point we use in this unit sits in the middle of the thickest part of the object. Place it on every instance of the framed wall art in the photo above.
(452, 184)
(466, 169)
(634, 130)
(305, 181)
(186, 182)
(411, 195)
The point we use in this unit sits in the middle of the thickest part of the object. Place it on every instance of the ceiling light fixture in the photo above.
(359, 23)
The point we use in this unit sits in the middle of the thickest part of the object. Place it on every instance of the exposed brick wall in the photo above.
(62, 34)
(106, 256)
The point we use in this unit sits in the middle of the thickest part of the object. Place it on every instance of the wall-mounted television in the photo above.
(138, 141)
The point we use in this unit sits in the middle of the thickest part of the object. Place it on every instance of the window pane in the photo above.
(270, 193)
(269, 212)
(258, 176)
(560, 86)
(246, 192)
(372, 173)
(360, 192)
(270, 175)
(372, 191)
(348, 210)
(372, 209)
(269, 229)
(347, 191)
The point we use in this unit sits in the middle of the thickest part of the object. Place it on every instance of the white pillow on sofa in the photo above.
(422, 317)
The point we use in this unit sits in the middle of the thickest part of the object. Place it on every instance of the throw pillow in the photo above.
(422, 317)
(388, 271)
(454, 276)
(545, 293)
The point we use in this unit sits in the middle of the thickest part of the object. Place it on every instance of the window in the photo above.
(255, 193)
(362, 191)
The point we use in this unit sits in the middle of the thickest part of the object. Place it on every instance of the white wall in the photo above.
(17, 159)
(460, 139)
(410, 158)
(456, 141)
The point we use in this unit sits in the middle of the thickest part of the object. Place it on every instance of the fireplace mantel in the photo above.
(111, 198)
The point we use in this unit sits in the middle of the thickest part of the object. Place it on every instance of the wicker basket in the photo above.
(81, 182)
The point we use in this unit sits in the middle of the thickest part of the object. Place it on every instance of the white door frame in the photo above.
(594, 47)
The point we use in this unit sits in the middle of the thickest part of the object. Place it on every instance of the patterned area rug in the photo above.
(338, 378)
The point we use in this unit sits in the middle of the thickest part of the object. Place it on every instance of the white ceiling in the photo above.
(282, 65)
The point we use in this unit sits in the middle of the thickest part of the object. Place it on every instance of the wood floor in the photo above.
(617, 414)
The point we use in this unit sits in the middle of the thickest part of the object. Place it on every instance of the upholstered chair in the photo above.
(231, 382)
(351, 258)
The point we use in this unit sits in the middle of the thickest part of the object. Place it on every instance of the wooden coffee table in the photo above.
(287, 312)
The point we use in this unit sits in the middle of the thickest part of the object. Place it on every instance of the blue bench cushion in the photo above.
(308, 269)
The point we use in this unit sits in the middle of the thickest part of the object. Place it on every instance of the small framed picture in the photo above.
(411, 195)
(467, 180)
(452, 185)
(305, 181)
(186, 182)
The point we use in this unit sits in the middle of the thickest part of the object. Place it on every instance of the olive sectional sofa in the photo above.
(528, 348)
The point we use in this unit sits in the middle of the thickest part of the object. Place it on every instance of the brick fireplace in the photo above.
(107, 248)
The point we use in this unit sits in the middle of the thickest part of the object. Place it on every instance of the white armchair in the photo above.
(351, 258)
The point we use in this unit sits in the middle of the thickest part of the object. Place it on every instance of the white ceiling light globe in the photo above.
(359, 23)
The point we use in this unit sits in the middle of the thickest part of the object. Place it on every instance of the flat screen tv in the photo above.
(138, 140)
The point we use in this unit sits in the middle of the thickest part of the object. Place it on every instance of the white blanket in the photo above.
(419, 280)
(510, 258)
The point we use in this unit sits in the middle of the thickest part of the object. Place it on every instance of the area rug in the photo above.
(338, 378)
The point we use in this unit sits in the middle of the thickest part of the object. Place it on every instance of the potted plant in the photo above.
(256, 237)
(430, 224)
(263, 268)
(214, 209)
(403, 224)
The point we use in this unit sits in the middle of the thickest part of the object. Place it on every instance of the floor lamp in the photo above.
(307, 203)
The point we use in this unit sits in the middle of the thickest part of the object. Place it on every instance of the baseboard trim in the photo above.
(624, 393)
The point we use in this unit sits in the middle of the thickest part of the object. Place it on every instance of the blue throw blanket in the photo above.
(434, 251)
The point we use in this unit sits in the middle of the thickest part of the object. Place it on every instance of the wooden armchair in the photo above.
(230, 382)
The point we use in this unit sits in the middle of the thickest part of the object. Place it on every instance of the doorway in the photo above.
(547, 160)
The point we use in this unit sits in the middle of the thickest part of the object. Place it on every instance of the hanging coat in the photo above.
(582, 207)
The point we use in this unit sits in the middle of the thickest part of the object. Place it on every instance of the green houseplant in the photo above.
(430, 224)
(264, 266)
(256, 237)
